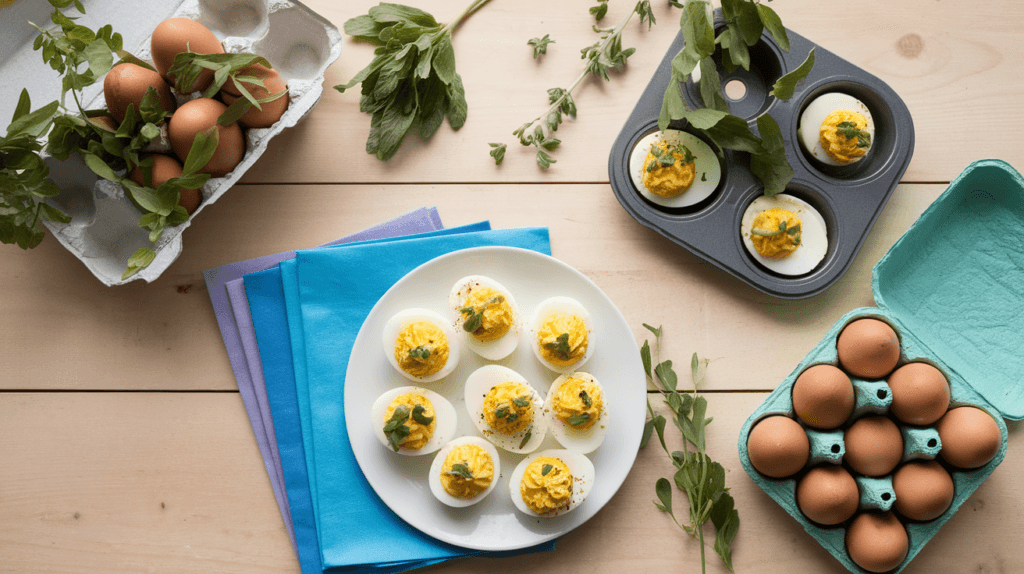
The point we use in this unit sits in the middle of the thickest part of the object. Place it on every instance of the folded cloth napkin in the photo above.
(336, 290)
(237, 332)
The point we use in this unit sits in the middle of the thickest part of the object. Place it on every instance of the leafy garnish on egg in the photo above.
(561, 334)
(486, 315)
(577, 412)
(505, 408)
(836, 129)
(464, 471)
(421, 345)
(784, 234)
(551, 483)
(674, 168)
(413, 420)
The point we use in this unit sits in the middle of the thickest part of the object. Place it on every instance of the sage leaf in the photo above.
(786, 85)
(771, 165)
(773, 24)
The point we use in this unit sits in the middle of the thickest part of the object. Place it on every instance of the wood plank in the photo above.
(65, 330)
(953, 63)
(113, 458)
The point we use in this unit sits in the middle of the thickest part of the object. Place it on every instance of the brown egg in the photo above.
(823, 397)
(970, 437)
(164, 168)
(271, 112)
(176, 35)
(868, 348)
(778, 446)
(199, 115)
(924, 490)
(256, 70)
(127, 84)
(877, 542)
(874, 446)
(920, 393)
(828, 495)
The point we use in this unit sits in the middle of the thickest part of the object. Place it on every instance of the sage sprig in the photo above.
(560, 346)
(746, 20)
(395, 429)
(412, 78)
(702, 479)
(461, 469)
(850, 130)
(474, 316)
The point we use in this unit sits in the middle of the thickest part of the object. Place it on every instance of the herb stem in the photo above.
(448, 28)
(595, 54)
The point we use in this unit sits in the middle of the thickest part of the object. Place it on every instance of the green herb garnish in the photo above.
(474, 316)
(412, 79)
(395, 429)
(560, 346)
(600, 10)
(791, 231)
(419, 416)
(585, 398)
(850, 130)
(702, 479)
(540, 45)
(526, 439)
(544, 470)
(461, 469)
(419, 353)
(523, 401)
(501, 412)
(577, 420)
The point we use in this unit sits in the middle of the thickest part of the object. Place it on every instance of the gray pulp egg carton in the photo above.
(849, 198)
(104, 230)
(945, 287)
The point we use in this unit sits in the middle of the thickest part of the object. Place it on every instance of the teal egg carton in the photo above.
(952, 288)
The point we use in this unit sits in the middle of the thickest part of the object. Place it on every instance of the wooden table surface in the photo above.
(124, 444)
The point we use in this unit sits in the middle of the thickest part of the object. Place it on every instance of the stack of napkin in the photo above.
(289, 321)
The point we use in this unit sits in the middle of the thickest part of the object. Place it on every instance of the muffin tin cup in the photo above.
(850, 198)
(876, 492)
(104, 232)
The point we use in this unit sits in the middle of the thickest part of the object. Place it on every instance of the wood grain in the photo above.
(952, 63)
(173, 482)
(65, 330)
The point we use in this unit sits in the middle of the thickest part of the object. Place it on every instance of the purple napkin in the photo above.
(231, 307)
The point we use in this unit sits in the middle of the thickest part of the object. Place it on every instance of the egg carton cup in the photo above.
(876, 493)
(849, 198)
(104, 232)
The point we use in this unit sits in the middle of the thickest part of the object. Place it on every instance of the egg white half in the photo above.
(490, 350)
(436, 467)
(582, 470)
(814, 115)
(577, 440)
(444, 413)
(709, 171)
(549, 307)
(813, 234)
(478, 384)
(395, 325)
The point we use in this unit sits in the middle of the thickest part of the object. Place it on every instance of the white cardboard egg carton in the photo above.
(104, 229)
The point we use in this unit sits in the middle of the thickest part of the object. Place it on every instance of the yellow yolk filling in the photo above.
(569, 404)
(421, 334)
(835, 143)
(497, 315)
(419, 434)
(555, 326)
(782, 244)
(544, 493)
(479, 464)
(508, 407)
(668, 181)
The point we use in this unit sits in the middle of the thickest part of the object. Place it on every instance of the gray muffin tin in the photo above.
(849, 198)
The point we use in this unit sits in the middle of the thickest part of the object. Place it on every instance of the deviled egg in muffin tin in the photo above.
(511, 414)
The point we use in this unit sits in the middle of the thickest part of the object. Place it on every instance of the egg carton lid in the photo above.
(955, 280)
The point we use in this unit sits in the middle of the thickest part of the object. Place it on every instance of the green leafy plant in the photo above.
(745, 22)
(602, 56)
(699, 477)
(188, 66)
(412, 78)
(540, 45)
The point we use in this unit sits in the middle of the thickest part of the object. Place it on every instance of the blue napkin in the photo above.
(336, 290)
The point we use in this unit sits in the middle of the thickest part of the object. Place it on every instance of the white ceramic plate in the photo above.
(401, 481)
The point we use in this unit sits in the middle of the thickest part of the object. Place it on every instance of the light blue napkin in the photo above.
(336, 290)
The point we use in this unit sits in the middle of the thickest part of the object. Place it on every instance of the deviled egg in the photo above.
(464, 471)
(421, 344)
(836, 129)
(505, 408)
(674, 168)
(551, 482)
(561, 334)
(576, 412)
(413, 420)
(487, 316)
(785, 234)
